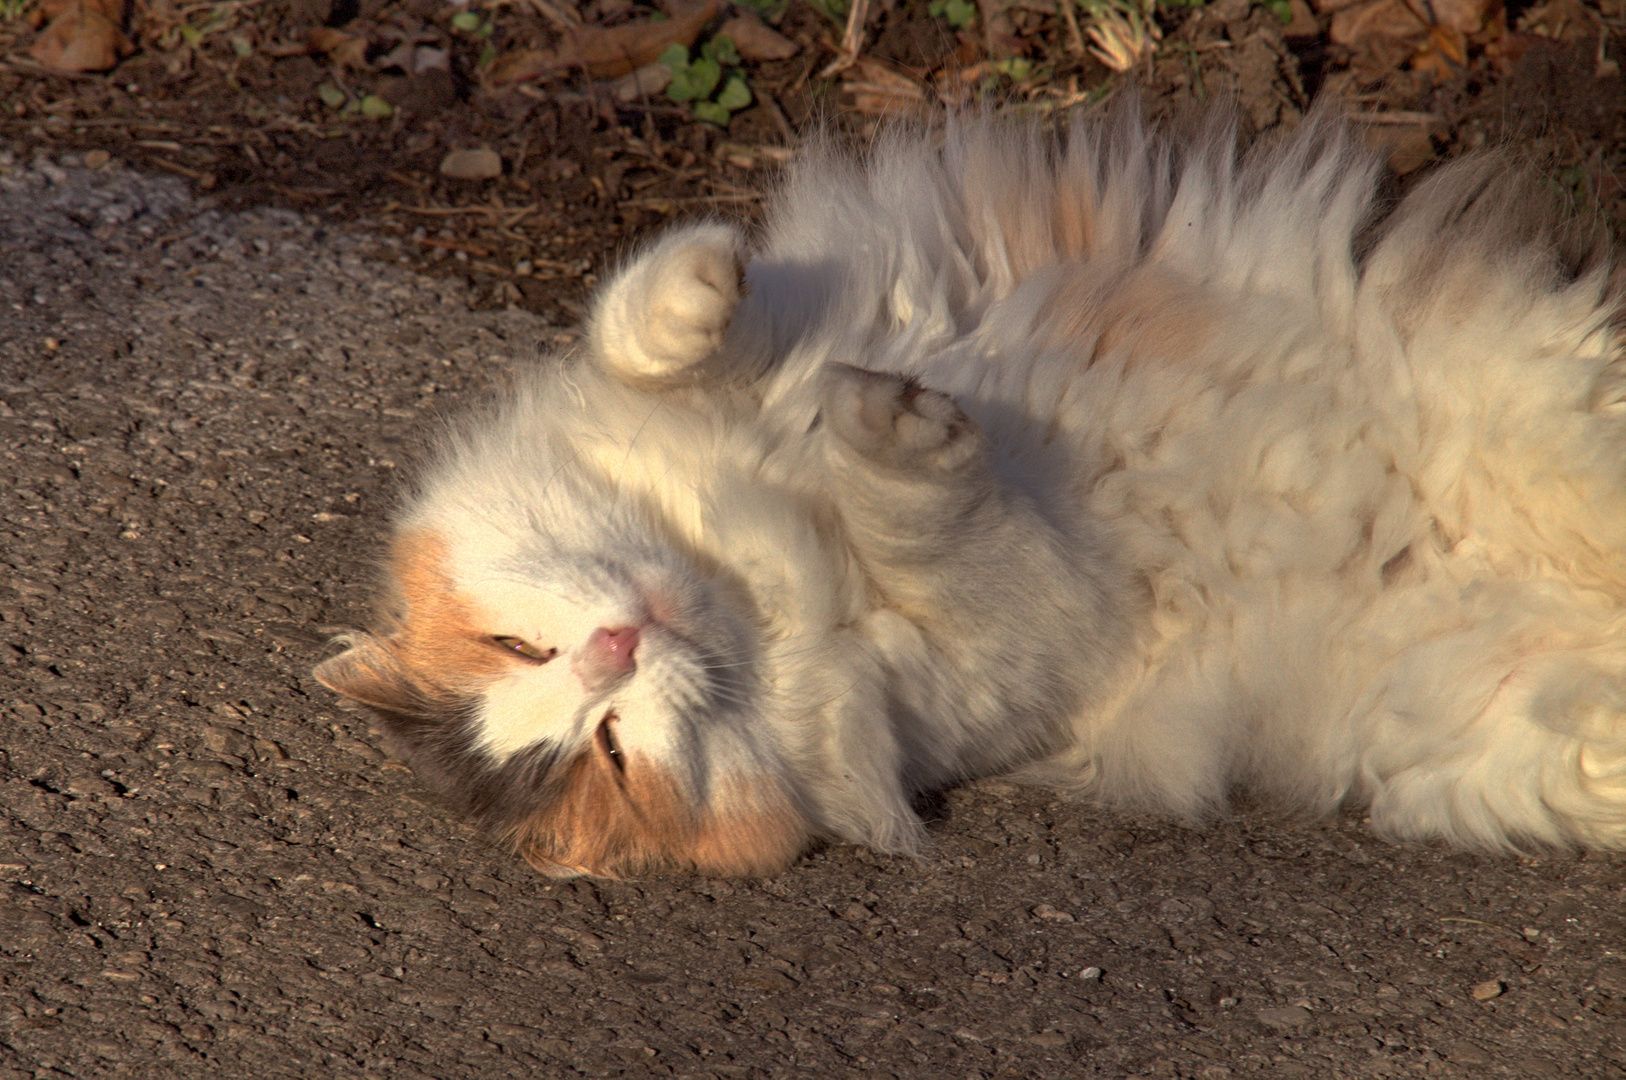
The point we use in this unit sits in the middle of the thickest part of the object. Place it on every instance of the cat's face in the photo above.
(597, 711)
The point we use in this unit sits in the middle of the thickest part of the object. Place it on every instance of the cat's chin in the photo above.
(601, 823)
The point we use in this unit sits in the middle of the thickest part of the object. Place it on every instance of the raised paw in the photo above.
(894, 421)
(671, 309)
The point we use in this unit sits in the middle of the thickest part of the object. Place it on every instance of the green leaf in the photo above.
(736, 94)
(961, 13)
(1015, 68)
(374, 107)
(191, 35)
(721, 49)
(241, 45)
(1281, 9)
(711, 112)
(695, 82)
(675, 57)
(466, 21)
(331, 95)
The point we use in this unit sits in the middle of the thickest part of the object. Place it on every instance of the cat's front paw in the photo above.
(672, 307)
(894, 421)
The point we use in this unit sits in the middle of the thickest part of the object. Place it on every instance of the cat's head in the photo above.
(595, 710)
(566, 653)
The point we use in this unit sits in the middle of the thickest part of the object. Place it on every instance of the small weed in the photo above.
(712, 82)
(370, 106)
(959, 13)
(1015, 68)
(1121, 31)
(14, 9)
(480, 28)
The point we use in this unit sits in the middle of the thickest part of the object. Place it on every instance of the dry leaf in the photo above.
(83, 35)
(877, 90)
(1407, 148)
(1328, 7)
(1562, 20)
(348, 50)
(610, 52)
(649, 81)
(1359, 25)
(756, 40)
(1465, 16)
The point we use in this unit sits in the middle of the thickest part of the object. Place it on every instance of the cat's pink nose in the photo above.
(616, 645)
(607, 655)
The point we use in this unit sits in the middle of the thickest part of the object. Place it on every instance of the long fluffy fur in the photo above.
(1281, 487)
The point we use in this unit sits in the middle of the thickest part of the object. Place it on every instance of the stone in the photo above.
(481, 163)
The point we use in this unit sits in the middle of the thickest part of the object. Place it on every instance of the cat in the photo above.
(1136, 464)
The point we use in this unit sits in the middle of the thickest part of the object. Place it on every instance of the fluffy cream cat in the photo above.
(1255, 482)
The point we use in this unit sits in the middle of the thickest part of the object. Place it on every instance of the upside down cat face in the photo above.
(594, 715)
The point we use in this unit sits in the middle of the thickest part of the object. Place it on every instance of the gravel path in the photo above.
(208, 870)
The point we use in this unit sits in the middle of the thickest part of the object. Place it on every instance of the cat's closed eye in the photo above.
(526, 649)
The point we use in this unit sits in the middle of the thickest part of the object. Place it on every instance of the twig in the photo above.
(851, 41)
(1075, 36)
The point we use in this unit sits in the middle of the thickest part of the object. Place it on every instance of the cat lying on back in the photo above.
(1253, 484)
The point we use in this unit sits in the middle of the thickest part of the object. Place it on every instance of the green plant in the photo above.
(1282, 9)
(479, 28)
(14, 9)
(370, 106)
(959, 13)
(1015, 68)
(711, 83)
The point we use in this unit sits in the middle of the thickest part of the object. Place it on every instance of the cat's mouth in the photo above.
(608, 746)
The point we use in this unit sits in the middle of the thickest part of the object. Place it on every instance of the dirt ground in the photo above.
(213, 364)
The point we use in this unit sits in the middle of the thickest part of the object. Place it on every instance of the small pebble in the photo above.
(1488, 989)
(96, 159)
(478, 164)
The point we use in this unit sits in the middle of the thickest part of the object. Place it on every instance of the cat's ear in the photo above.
(368, 671)
(666, 317)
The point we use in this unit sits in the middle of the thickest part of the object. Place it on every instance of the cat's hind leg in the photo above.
(1494, 740)
(672, 306)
